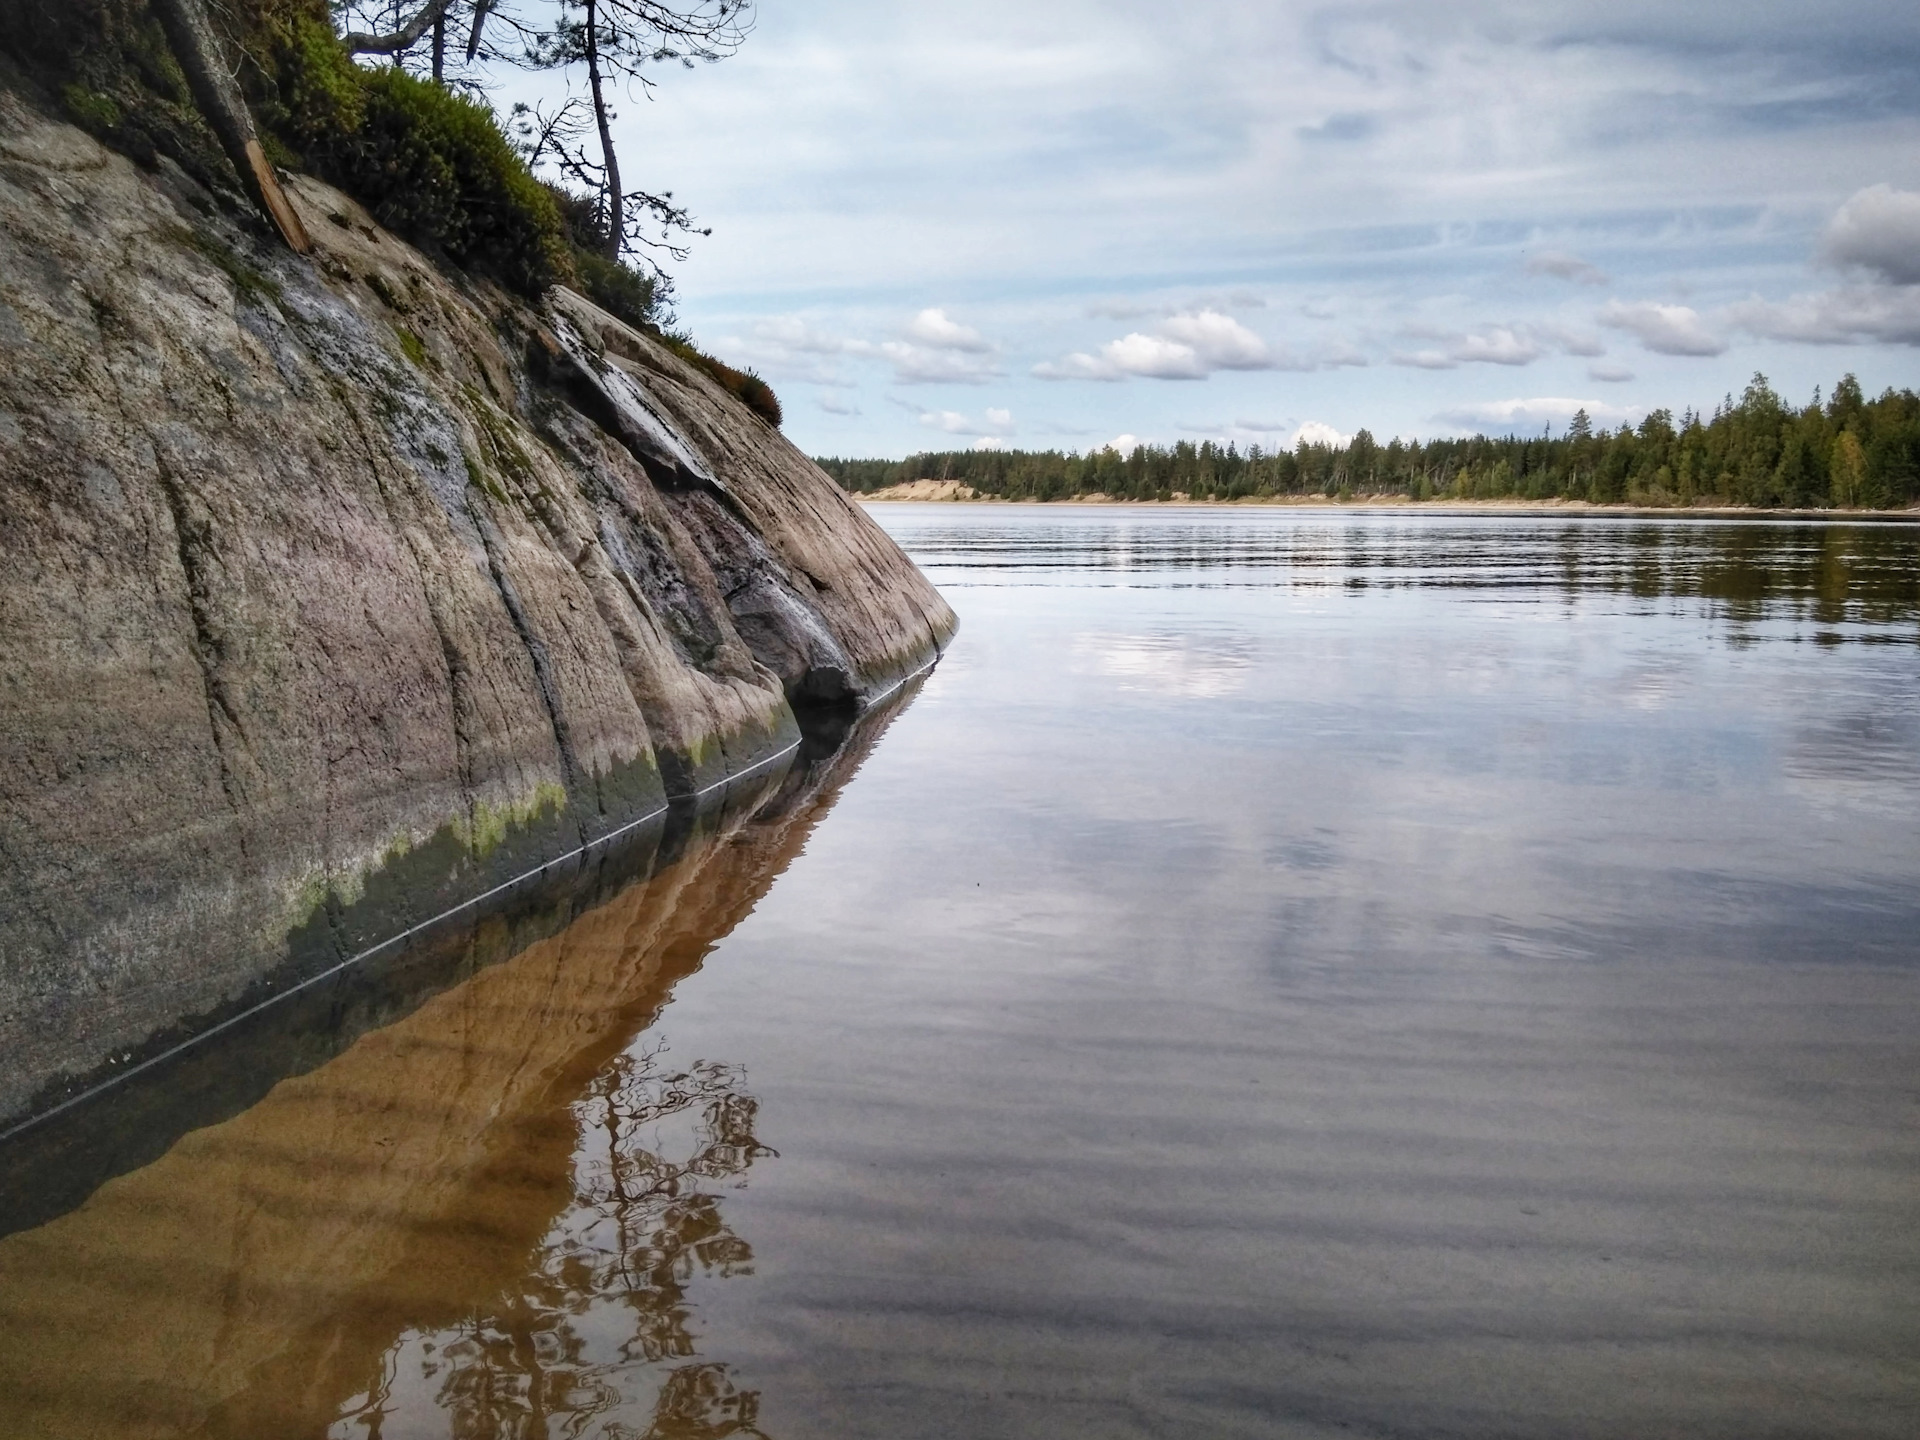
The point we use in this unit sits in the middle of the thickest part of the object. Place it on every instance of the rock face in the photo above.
(337, 591)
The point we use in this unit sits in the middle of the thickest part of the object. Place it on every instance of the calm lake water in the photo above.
(1285, 973)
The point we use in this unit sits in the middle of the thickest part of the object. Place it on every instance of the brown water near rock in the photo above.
(250, 1281)
(1283, 975)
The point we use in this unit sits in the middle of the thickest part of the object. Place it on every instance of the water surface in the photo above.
(1285, 974)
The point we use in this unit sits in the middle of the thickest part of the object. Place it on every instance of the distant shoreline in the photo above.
(952, 492)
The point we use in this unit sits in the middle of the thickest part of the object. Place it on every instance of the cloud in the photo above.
(1315, 432)
(1848, 316)
(1078, 366)
(1221, 342)
(924, 365)
(1877, 230)
(787, 348)
(1663, 329)
(1124, 310)
(951, 421)
(1347, 126)
(790, 332)
(1494, 345)
(1156, 357)
(1565, 266)
(938, 351)
(1573, 342)
(997, 425)
(1188, 345)
(838, 404)
(1123, 444)
(1238, 299)
(1609, 374)
(932, 328)
(1532, 414)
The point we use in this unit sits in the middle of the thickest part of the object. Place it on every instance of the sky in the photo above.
(946, 225)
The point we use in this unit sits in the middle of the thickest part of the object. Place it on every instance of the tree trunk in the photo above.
(616, 198)
(440, 48)
(219, 99)
(480, 9)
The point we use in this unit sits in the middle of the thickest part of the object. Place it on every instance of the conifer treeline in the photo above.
(1757, 450)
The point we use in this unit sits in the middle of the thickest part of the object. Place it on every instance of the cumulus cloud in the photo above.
(1222, 342)
(927, 365)
(932, 328)
(1877, 230)
(1494, 345)
(1316, 432)
(1663, 329)
(1079, 366)
(1565, 267)
(937, 350)
(1531, 414)
(951, 421)
(1187, 345)
(1336, 354)
(1573, 342)
(787, 347)
(1609, 374)
(1876, 235)
(1848, 316)
(1123, 444)
(996, 425)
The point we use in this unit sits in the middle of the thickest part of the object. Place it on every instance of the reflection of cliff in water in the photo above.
(482, 1220)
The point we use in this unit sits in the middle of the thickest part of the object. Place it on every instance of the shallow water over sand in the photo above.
(1285, 973)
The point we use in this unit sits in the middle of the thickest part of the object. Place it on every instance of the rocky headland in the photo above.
(339, 589)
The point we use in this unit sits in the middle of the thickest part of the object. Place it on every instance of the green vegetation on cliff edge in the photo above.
(431, 164)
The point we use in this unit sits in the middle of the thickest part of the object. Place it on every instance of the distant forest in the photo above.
(1757, 450)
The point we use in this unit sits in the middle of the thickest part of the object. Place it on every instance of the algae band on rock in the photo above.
(339, 589)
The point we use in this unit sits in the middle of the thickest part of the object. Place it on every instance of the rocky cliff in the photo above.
(337, 590)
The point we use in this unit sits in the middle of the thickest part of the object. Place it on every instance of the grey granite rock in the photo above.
(334, 591)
